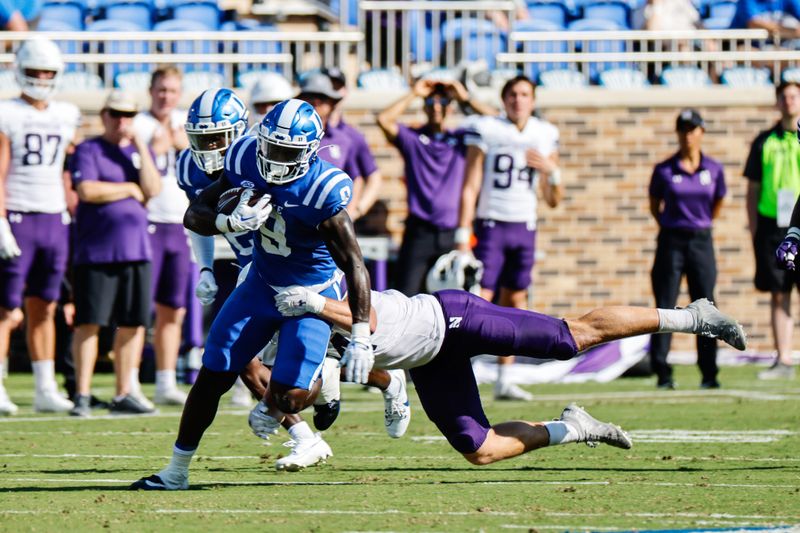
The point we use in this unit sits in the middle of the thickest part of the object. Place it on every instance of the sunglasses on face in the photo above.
(113, 113)
(432, 100)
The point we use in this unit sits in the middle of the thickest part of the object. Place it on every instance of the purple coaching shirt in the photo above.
(115, 232)
(336, 148)
(361, 153)
(688, 198)
(434, 168)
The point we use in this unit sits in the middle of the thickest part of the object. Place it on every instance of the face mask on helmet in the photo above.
(456, 270)
(209, 146)
(34, 57)
(216, 118)
(288, 140)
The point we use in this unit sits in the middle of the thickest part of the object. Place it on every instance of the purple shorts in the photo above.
(171, 263)
(446, 386)
(507, 252)
(44, 241)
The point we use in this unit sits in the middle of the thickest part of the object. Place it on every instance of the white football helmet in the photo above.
(456, 270)
(38, 54)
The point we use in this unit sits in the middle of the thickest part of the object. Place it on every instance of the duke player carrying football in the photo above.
(434, 337)
(304, 234)
(34, 223)
(511, 159)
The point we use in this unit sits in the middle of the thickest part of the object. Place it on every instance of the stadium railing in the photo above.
(400, 33)
(300, 50)
(651, 52)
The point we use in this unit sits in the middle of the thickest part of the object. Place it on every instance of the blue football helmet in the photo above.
(288, 140)
(216, 118)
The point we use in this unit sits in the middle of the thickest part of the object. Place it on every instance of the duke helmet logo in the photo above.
(248, 184)
(345, 193)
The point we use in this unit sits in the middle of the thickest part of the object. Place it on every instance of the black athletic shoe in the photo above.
(155, 482)
(325, 415)
(97, 403)
(128, 405)
(82, 405)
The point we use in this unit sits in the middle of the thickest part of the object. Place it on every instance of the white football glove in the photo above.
(245, 217)
(358, 360)
(297, 300)
(8, 244)
(262, 424)
(206, 289)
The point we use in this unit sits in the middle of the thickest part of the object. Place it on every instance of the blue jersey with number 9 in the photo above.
(288, 248)
(192, 181)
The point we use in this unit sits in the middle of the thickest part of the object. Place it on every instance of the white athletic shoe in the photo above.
(7, 407)
(173, 396)
(777, 371)
(240, 395)
(713, 323)
(306, 452)
(591, 431)
(142, 399)
(51, 402)
(509, 391)
(397, 412)
(164, 480)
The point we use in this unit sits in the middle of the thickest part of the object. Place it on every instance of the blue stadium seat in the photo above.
(382, 80)
(745, 77)
(562, 79)
(541, 47)
(72, 13)
(722, 9)
(121, 47)
(132, 81)
(548, 11)
(67, 47)
(682, 77)
(193, 46)
(791, 74)
(205, 12)
(139, 12)
(600, 46)
(718, 23)
(623, 78)
(80, 81)
(479, 38)
(613, 10)
(260, 47)
(421, 40)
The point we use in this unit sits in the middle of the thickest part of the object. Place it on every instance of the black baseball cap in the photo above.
(335, 74)
(689, 119)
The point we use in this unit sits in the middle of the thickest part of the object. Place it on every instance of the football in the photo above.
(229, 199)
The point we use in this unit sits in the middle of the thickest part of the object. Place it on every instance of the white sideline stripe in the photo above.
(219, 457)
(682, 515)
(66, 418)
(337, 483)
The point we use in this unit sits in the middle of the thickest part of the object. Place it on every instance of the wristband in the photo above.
(207, 269)
(221, 222)
(463, 235)
(794, 233)
(554, 178)
(360, 330)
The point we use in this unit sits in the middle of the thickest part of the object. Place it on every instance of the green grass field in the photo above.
(701, 459)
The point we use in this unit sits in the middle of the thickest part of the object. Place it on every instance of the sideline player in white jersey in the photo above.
(34, 222)
(162, 128)
(434, 337)
(511, 160)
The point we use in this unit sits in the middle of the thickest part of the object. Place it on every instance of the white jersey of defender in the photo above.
(410, 331)
(171, 203)
(509, 189)
(39, 139)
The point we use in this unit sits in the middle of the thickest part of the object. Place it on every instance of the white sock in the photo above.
(394, 387)
(135, 386)
(165, 380)
(502, 374)
(179, 464)
(560, 433)
(2, 373)
(301, 431)
(675, 320)
(44, 373)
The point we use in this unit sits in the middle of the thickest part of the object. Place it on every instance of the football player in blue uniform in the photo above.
(215, 120)
(304, 238)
